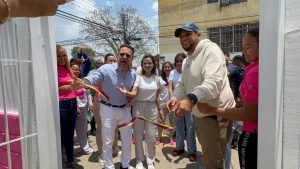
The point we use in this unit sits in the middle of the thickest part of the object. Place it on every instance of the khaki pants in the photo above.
(96, 109)
(213, 136)
(149, 111)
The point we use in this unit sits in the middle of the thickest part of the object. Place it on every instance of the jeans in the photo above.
(68, 114)
(189, 121)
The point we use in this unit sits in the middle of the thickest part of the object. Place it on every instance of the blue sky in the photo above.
(66, 29)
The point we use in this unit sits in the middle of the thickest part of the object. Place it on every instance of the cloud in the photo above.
(155, 6)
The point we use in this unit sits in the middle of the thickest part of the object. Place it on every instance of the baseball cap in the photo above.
(189, 26)
(237, 57)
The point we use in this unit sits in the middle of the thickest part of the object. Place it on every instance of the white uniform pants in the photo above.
(148, 110)
(81, 130)
(110, 118)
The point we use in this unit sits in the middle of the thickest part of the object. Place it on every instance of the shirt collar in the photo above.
(253, 64)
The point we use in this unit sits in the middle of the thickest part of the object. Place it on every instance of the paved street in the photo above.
(164, 159)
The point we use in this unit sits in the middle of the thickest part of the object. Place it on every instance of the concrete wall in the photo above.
(172, 13)
(279, 81)
(291, 117)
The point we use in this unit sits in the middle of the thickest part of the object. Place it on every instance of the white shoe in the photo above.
(151, 166)
(101, 161)
(88, 152)
(139, 164)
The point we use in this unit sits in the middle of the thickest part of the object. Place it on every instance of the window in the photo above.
(229, 38)
(236, 1)
(212, 1)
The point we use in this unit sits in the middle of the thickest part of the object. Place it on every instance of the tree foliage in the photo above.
(90, 52)
(117, 26)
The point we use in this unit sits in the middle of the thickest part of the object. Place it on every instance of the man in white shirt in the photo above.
(204, 80)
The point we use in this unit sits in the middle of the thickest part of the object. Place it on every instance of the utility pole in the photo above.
(124, 25)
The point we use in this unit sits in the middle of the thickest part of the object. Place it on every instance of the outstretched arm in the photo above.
(122, 89)
(29, 8)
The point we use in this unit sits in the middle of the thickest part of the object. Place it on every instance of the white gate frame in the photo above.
(42, 34)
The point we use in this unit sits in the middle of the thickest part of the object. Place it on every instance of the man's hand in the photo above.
(34, 8)
(122, 89)
(183, 106)
(170, 104)
(206, 109)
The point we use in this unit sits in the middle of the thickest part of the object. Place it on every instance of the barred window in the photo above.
(212, 1)
(229, 38)
(236, 1)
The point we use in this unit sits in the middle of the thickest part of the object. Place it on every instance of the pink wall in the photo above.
(15, 147)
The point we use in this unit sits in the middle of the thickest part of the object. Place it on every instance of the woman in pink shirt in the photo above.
(247, 146)
(67, 103)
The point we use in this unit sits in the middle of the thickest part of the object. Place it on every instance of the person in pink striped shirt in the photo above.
(247, 145)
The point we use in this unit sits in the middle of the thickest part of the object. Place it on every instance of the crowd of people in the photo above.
(204, 93)
(198, 94)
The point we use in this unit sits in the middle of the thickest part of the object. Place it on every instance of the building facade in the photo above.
(222, 21)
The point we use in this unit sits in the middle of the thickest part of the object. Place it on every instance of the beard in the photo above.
(188, 47)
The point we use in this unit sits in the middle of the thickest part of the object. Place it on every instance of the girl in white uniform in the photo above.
(164, 97)
(146, 91)
(84, 100)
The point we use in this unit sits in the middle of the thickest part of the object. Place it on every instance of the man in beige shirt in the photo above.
(204, 80)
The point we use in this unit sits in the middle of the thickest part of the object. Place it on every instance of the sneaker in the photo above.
(116, 153)
(192, 157)
(151, 166)
(139, 164)
(176, 153)
(172, 142)
(88, 152)
(101, 161)
(158, 140)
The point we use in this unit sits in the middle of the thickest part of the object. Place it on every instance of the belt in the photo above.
(213, 117)
(111, 105)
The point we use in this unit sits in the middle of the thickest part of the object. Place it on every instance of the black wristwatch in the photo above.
(193, 98)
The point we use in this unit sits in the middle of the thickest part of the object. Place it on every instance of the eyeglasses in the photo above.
(179, 61)
(125, 54)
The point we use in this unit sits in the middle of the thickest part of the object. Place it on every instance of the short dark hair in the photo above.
(107, 55)
(127, 46)
(179, 55)
(254, 33)
(153, 71)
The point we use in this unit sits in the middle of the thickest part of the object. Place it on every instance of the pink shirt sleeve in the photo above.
(251, 86)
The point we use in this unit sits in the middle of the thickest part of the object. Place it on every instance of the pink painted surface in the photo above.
(15, 148)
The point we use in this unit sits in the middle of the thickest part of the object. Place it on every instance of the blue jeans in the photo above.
(188, 120)
(68, 114)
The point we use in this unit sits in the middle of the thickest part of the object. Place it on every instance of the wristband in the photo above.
(193, 98)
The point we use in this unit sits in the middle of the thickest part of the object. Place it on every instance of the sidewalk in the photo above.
(164, 159)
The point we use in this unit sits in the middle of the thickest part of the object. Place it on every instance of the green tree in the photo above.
(116, 26)
(89, 51)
